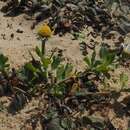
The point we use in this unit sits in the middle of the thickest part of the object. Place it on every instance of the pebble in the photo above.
(18, 38)
(19, 30)
(12, 35)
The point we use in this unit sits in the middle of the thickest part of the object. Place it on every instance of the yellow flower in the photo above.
(45, 31)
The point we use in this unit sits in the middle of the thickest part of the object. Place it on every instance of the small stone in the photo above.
(9, 26)
(19, 30)
(18, 38)
(3, 36)
(12, 35)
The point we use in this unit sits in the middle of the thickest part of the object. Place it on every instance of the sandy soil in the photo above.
(16, 45)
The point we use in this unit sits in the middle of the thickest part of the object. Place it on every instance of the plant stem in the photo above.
(43, 45)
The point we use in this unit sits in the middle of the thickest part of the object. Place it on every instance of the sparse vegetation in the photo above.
(68, 98)
(65, 91)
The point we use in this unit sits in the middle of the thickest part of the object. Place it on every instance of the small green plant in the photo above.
(4, 66)
(63, 72)
(104, 64)
(4, 75)
(47, 70)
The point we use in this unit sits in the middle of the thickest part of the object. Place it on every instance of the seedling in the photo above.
(102, 65)
(47, 70)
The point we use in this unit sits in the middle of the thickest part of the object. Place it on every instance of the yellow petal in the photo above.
(45, 31)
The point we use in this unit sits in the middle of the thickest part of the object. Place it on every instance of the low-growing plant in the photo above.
(46, 70)
(102, 65)
(4, 75)
(68, 93)
(4, 66)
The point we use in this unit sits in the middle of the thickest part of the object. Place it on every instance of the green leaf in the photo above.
(68, 70)
(64, 72)
(59, 72)
(56, 62)
(44, 74)
(46, 62)
(38, 52)
(87, 61)
(102, 68)
(109, 59)
(97, 62)
(3, 62)
(30, 67)
(58, 90)
(103, 52)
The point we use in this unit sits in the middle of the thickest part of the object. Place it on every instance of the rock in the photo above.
(18, 38)
(19, 30)
(12, 35)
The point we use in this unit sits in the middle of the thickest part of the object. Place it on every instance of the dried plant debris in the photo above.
(120, 11)
(68, 100)
(65, 15)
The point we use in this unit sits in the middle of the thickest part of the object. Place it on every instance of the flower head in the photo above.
(45, 31)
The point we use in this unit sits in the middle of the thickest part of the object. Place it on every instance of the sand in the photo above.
(16, 45)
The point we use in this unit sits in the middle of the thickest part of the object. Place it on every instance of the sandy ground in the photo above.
(16, 45)
(13, 44)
